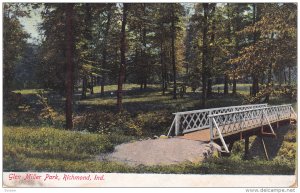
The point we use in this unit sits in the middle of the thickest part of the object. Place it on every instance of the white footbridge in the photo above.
(216, 124)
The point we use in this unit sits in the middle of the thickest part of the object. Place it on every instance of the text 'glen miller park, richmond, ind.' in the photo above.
(164, 88)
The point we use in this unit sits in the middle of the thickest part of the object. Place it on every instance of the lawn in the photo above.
(34, 138)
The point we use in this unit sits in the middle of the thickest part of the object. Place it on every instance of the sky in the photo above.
(30, 25)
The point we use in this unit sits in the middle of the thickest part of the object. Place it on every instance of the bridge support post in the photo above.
(265, 149)
(246, 155)
(176, 125)
(211, 128)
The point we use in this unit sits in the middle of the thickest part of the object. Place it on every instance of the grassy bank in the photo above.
(55, 150)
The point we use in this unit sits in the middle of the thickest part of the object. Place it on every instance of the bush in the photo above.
(154, 122)
(143, 124)
(106, 122)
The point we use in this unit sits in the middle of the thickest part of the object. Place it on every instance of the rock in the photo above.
(216, 149)
(215, 146)
(207, 145)
(163, 137)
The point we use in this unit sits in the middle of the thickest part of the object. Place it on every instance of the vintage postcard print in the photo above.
(149, 95)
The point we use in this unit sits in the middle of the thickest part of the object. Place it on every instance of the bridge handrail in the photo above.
(230, 122)
(233, 112)
(205, 112)
(220, 108)
(230, 119)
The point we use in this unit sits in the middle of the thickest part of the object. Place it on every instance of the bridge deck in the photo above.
(204, 134)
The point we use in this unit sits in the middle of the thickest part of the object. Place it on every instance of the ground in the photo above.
(164, 151)
(35, 139)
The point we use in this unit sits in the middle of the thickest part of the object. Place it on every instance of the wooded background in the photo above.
(176, 45)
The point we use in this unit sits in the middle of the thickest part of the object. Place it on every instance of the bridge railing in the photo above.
(223, 124)
(190, 121)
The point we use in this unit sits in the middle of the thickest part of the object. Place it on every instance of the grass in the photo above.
(54, 143)
(33, 143)
(28, 91)
(54, 150)
(113, 87)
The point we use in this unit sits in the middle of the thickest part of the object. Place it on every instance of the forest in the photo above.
(101, 74)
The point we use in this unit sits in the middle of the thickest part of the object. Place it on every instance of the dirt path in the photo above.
(160, 152)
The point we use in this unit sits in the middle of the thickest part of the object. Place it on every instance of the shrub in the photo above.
(106, 122)
(154, 122)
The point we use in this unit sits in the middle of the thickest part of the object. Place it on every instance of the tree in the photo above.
(211, 48)
(105, 44)
(86, 58)
(205, 56)
(123, 59)
(14, 41)
(53, 48)
(170, 46)
(273, 32)
(25, 71)
(69, 64)
(173, 33)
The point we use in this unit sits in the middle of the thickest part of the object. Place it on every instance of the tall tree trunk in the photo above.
(269, 76)
(226, 78)
(255, 85)
(104, 51)
(211, 50)
(69, 65)
(145, 61)
(255, 78)
(173, 53)
(290, 78)
(123, 59)
(237, 46)
(102, 84)
(280, 77)
(204, 55)
(209, 85)
(88, 37)
(162, 65)
(225, 84)
(284, 75)
(269, 82)
(234, 84)
(84, 87)
(92, 85)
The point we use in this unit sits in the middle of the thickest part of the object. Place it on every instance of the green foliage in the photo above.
(291, 135)
(13, 100)
(47, 113)
(107, 122)
(276, 91)
(154, 122)
(23, 144)
(14, 41)
(229, 166)
(26, 69)
(124, 124)
(54, 140)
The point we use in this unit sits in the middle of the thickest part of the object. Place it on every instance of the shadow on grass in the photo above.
(272, 144)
